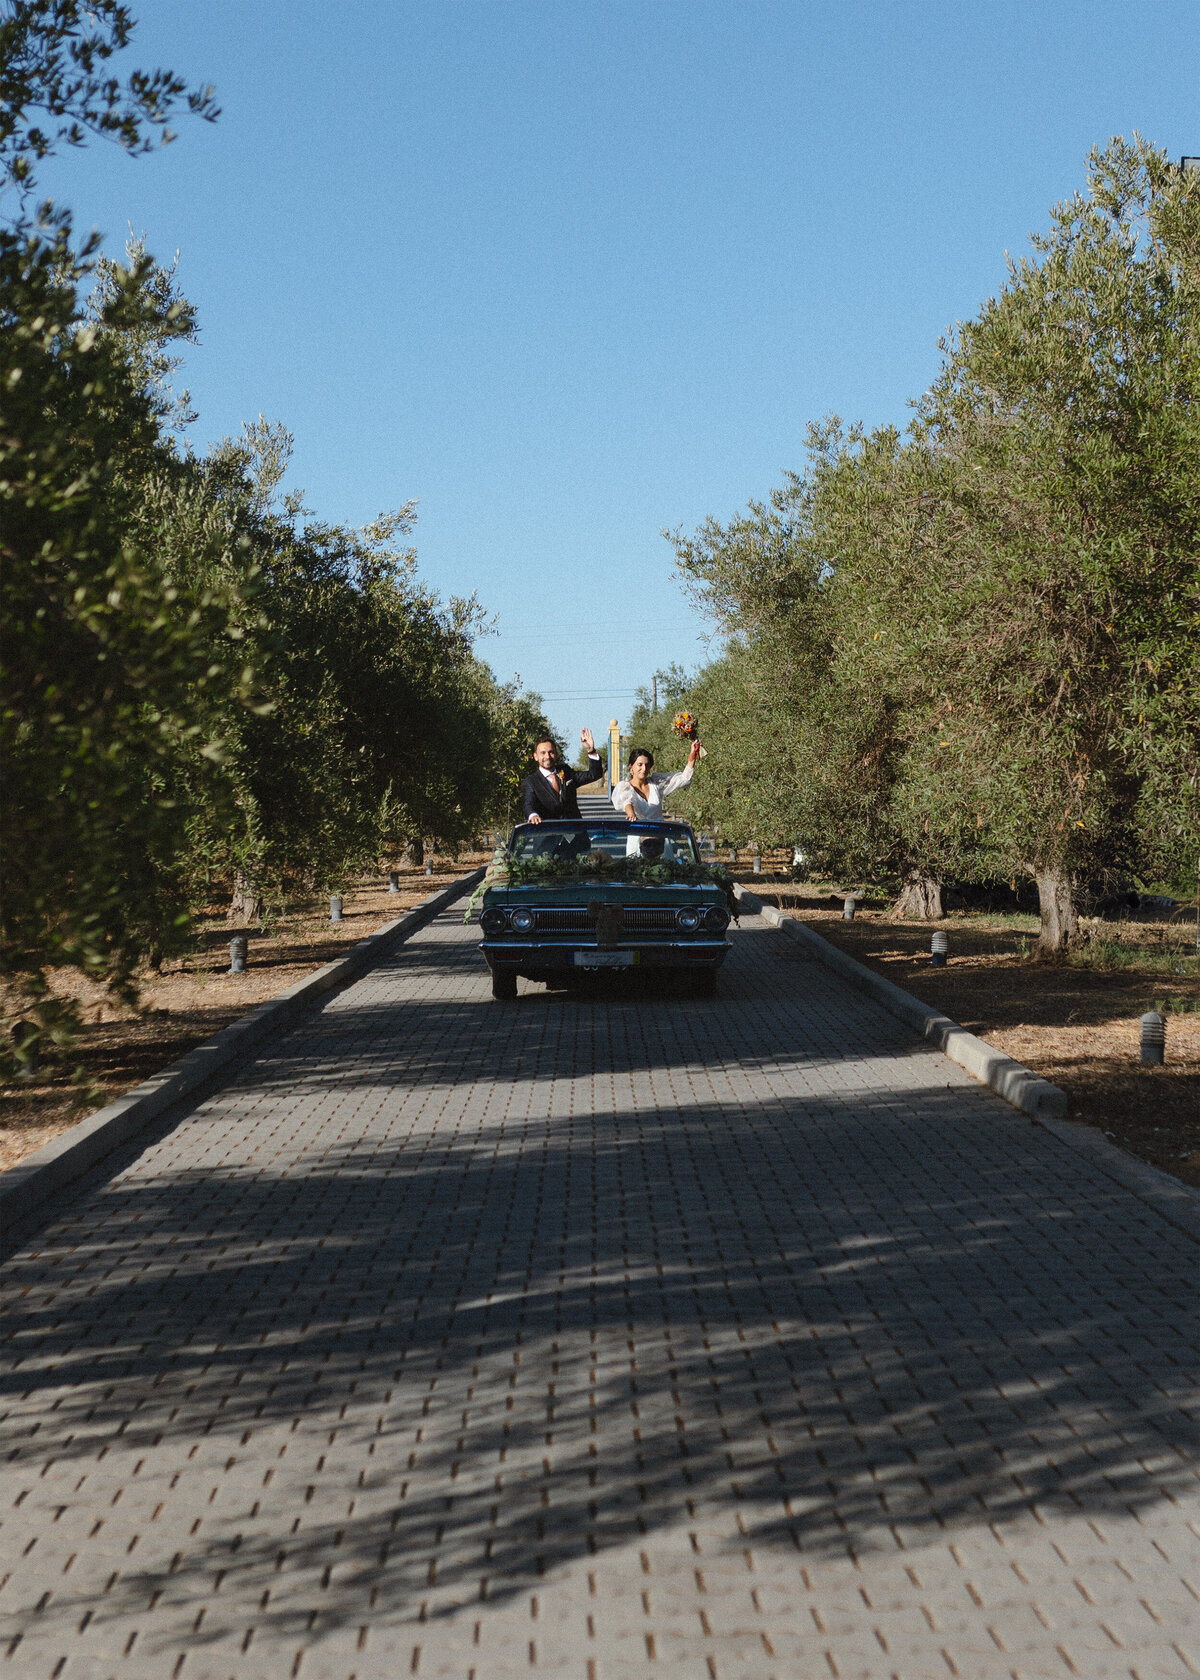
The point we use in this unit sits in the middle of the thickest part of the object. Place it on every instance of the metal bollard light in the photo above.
(394, 881)
(1154, 1038)
(938, 947)
(848, 908)
(239, 950)
(335, 908)
(429, 869)
(733, 854)
(757, 864)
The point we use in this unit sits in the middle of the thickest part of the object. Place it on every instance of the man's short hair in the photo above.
(548, 738)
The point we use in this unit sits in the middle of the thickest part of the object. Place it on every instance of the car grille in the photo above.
(575, 919)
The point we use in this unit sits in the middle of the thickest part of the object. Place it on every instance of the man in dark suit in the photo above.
(550, 790)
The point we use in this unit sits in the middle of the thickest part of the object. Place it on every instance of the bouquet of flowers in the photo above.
(685, 724)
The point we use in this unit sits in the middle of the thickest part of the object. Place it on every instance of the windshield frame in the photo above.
(679, 833)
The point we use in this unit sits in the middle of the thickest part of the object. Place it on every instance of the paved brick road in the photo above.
(600, 1336)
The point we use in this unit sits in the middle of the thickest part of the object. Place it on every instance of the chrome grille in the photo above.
(570, 919)
(643, 918)
(650, 919)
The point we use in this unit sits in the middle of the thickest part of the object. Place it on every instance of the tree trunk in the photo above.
(920, 898)
(413, 854)
(1060, 922)
(246, 904)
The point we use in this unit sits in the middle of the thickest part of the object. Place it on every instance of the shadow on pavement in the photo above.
(733, 1283)
(525, 1344)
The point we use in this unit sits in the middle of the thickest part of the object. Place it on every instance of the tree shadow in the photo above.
(563, 1296)
(840, 1326)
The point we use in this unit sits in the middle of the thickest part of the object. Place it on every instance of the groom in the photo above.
(550, 790)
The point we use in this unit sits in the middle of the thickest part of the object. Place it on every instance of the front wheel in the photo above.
(504, 985)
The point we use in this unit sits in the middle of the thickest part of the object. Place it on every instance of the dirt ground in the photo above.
(1076, 1025)
(192, 998)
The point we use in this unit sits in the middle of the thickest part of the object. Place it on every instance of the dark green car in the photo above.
(570, 898)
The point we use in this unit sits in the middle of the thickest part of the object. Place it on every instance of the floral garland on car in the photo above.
(599, 868)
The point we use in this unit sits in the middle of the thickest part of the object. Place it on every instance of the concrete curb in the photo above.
(1046, 1104)
(39, 1175)
(1016, 1084)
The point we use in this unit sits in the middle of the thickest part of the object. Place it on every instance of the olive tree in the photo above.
(1038, 610)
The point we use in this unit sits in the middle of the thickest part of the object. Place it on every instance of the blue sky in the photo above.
(571, 271)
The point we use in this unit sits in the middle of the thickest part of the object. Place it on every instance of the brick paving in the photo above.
(599, 1335)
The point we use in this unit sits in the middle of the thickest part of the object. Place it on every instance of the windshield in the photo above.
(651, 841)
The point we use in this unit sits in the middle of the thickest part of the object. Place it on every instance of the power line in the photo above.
(655, 633)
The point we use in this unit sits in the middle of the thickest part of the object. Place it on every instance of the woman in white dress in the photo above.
(641, 794)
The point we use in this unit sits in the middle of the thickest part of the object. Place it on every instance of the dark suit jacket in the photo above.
(537, 794)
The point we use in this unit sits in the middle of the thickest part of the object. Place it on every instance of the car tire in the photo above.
(504, 985)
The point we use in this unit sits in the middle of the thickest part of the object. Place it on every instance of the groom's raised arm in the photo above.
(595, 768)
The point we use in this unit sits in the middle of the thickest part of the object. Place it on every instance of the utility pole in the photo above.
(654, 680)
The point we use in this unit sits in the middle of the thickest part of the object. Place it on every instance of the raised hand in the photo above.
(588, 740)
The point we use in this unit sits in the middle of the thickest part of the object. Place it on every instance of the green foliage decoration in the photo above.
(599, 868)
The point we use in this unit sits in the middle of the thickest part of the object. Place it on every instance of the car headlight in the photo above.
(689, 920)
(716, 918)
(492, 921)
(522, 921)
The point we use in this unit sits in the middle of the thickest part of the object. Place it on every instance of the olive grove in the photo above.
(973, 650)
(205, 690)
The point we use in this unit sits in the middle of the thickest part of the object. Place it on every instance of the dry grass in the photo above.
(190, 1000)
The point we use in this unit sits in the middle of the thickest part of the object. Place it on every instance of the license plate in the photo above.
(604, 959)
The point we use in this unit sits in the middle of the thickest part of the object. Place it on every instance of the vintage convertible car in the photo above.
(564, 899)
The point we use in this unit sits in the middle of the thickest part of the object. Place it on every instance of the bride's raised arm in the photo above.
(681, 778)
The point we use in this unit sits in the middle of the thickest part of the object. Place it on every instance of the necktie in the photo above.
(555, 783)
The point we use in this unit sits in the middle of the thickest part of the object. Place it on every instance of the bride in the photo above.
(641, 794)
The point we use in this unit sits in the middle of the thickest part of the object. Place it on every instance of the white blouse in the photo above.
(650, 809)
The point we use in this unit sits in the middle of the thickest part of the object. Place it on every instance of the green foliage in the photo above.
(112, 676)
(374, 723)
(202, 686)
(976, 650)
(600, 869)
(517, 721)
(1055, 467)
(797, 754)
(55, 89)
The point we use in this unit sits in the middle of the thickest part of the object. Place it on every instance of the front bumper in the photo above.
(532, 957)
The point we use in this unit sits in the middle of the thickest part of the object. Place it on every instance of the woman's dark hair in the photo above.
(640, 752)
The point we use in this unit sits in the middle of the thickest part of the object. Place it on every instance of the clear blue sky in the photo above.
(572, 271)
